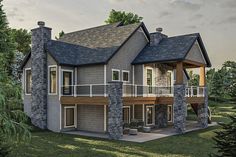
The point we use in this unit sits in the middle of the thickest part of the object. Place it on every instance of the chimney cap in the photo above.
(159, 29)
(41, 23)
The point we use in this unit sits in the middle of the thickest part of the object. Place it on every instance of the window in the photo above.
(28, 81)
(52, 80)
(69, 116)
(126, 114)
(125, 76)
(115, 75)
(149, 80)
(67, 83)
(169, 113)
(149, 115)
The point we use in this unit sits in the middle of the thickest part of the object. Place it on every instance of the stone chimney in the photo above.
(156, 37)
(40, 36)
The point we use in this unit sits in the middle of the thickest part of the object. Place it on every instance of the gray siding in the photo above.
(26, 98)
(195, 54)
(91, 74)
(138, 74)
(91, 118)
(53, 106)
(122, 59)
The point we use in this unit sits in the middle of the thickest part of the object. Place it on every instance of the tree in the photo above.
(122, 16)
(226, 139)
(193, 79)
(22, 39)
(60, 35)
(13, 125)
(6, 45)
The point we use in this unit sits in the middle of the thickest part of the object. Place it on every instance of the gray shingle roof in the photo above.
(91, 46)
(170, 49)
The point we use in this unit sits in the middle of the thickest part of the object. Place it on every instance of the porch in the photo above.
(144, 137)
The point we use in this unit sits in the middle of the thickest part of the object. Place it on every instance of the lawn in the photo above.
(198, 143)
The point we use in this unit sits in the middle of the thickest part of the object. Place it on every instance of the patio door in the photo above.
(150, 115)
(126, 114)
(70, 116)
(149, 80)
(67, 88)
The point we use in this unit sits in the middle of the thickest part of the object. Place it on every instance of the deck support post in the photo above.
(115, 110)
(179, 108)
(203, 111)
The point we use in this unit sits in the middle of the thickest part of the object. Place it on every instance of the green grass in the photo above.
(198, 143)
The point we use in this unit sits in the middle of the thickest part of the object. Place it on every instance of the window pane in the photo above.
(125, 76)
(70, 116)
(115, 75)
(67, 82)
(28, 81)
(53, 78)
(169, 113)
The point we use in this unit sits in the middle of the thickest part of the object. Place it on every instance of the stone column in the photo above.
(40, 36)
(115, 110)
(202, 111)
(161, 120)
(179, 108)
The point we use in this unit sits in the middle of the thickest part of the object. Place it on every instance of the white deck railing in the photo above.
(129, 90)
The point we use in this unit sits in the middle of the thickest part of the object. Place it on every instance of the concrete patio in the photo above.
(144, 137)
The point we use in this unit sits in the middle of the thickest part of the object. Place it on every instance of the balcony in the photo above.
(129, 90)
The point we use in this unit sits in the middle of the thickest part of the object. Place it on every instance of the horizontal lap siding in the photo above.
(91, 118)
(91, 74)
(138, 112)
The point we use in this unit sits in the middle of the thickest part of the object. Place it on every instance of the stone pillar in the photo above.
(179, 108)
(39, 68)
(161, 119)
(115, 110)
(202, 111)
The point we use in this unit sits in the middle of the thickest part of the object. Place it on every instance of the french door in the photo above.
(67, 82)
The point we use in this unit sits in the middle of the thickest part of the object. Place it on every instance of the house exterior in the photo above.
(100, 78)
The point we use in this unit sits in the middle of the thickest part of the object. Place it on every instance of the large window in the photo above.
(67, 83)
(52, 80)
(28, 81)
(125, 76)
(69, 116)
(115, 75)
(149, 115)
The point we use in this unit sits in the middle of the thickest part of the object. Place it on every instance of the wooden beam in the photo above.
(202, 79)
(179, 73)
(193, 100)
(194, 63)
(65, 100)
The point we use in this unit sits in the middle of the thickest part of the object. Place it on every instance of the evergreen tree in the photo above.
(226, 139)
(60, 35)
(6, 45)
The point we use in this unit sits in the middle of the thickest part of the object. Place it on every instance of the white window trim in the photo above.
(150, 68)
(112, 74)
(52, 66)
(171, 113)
(129, 111)
(75, 116)
(153, 115)
(72, 76)
(128, 75)
(26, 69)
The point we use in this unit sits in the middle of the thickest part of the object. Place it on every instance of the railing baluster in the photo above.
(74, 90)
(91, 90)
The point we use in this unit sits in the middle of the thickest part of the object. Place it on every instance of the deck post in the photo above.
(115, 110)
(203, 111)
(179, 108)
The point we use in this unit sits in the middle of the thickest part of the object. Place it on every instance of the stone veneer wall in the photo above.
(39, 76)
(179, 108)
(115, 111)
(202, 111)
(161, 119)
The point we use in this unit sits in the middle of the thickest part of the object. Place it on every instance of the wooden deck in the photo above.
(99, 100)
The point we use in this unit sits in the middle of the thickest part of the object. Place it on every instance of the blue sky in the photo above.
(214, 19)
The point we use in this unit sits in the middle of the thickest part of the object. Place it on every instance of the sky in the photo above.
(215, 20)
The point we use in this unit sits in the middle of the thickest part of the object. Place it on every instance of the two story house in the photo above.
(99, 78)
